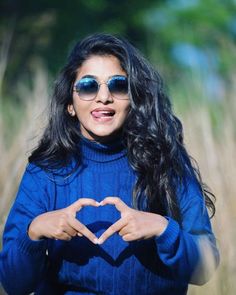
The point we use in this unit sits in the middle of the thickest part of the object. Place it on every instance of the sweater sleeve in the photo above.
(189, 250)
(22, 260)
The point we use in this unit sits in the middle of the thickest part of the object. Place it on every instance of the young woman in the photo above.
(110, 202)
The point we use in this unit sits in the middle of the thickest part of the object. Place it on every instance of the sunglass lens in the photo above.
(118, 86)
(87, 88)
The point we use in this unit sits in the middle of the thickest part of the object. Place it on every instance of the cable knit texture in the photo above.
(161, 265)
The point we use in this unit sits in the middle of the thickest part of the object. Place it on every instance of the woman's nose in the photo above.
(104, 94)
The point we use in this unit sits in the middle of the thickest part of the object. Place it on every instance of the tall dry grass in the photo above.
(215, 153)
(13, 157)
(217, 160)
(212, 142)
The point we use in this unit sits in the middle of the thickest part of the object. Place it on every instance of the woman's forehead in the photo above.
(101, 66)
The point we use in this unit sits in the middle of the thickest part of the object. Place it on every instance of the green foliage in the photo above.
(204, 23)
(46, 30)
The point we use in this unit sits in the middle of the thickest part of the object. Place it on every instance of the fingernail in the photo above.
(100, 241)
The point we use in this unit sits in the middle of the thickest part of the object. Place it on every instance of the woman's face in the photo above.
(103, 117)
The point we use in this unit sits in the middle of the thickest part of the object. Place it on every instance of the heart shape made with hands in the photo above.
(119, 224)
(132, 225)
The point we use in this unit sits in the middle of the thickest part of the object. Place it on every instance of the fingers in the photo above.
(128, 238)
(119, 204)
(75, 227)
(116, 227)
(63, 236)
(82, 230)
(124, 231)
(76, 206)
(70, 231)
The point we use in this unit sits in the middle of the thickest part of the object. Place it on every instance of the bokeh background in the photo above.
(193, 45)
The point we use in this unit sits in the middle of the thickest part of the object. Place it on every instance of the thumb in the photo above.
(117, 202)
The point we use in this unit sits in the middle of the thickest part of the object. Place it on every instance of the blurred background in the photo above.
(193, 45)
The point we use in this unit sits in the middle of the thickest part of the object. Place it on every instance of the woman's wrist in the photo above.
(33, 232)
(162, 225)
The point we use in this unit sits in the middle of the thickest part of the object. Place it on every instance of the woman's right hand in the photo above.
(62, 224)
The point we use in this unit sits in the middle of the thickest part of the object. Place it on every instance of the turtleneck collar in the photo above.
(102, 152)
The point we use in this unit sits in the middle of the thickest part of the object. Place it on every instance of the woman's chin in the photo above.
(101, 136)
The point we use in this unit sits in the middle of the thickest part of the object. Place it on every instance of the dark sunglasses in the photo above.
(88, 87)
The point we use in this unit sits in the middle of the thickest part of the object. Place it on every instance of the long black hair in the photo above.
(153, 135)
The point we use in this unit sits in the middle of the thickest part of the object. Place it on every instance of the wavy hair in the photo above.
(152, 134)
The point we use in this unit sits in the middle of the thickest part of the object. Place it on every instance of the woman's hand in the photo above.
(62, 224)
(133, 224)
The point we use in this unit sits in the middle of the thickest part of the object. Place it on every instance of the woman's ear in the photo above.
(71, 110)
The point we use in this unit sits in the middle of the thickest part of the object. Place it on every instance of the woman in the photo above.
(110, 202)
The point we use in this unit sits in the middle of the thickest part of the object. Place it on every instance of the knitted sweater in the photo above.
(161, 265)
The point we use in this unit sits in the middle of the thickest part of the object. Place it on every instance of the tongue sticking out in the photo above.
(100, 114)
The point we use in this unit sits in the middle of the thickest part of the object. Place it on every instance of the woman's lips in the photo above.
(103, 114)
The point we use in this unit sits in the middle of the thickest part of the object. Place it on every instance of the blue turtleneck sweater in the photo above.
(162, 265)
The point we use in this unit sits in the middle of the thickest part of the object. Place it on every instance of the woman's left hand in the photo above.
(133, 224)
